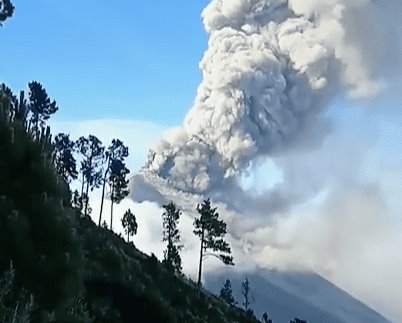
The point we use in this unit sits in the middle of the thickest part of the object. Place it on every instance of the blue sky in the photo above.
(138, 60)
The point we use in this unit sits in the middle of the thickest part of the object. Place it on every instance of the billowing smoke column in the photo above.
(270, 69)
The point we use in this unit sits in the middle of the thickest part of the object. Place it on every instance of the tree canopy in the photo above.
(211, 231)
(171, 234)
(6, 10)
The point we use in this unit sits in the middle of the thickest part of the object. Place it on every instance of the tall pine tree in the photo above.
(118, 185)
(211, 231)
(65, 163)
(171, 234)
(226, 293)
(129, 223)
(248, 298)
(41, 107)
(91, 166)
(116, 151)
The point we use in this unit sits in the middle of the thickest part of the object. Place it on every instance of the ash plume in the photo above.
(270, 70)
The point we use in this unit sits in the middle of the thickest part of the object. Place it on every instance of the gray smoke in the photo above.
(271, 68)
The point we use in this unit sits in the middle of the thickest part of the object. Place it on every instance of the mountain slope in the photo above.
(305, 295)
(71, 269)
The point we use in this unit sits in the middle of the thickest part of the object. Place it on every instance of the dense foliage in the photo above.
(75, 270)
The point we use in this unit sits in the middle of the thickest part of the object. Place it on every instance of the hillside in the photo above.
(288, 294)
(74, 270)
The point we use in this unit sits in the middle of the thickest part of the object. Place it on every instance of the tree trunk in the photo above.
(128, 237)
(82, 190)
(86, 199)
(103, 194)
(201, 255)
(37, 127)
(111, 208)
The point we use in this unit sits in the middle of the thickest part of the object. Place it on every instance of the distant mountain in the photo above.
(283, 296)
(286, 295)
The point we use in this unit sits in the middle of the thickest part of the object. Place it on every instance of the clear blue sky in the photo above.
(138, 59)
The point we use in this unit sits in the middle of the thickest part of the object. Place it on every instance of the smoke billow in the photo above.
(271, 68)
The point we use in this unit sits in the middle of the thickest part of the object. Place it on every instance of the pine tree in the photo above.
(226, 293)
(211, 231)
(19, 109)
(64, 160)
(91, 166)
(245, 290)
(129, 223)
(118, 185)
(265, 318)
(40, 106)
(116, 151)
(6, 10)
(171, 234)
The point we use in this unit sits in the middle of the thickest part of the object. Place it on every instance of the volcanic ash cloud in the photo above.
(271, 68)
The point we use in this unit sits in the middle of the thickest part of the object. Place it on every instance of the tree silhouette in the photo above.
(40, 106)
(245, 290)
(64, 160)
(296, 320)
(265, 318)
(8, 93)
(226, 293)
(6, 10)
(116, 151)
(104, 225)
(91, 166)
(171, 234)
(129, 224)
(19, 108)
(211, 231)
(118, 185)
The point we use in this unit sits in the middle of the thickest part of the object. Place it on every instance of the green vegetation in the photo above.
(171, 234)
(65, 267)
(226, 293)
(6, 10)
(129, 224)
(211, 231)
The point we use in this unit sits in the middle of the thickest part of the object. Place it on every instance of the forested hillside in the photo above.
(59, 266)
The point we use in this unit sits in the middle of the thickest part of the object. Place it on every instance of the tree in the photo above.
(76, 201)
(91, 166)
(18, 107)
(226, 293)
(118, 185)
(265, 318)
(64, 160)
(6, 10)
(116, 151)
(129, 224)
(104, 225)
(40, 106)
(296, 320)
(211, 231)
(171, 234)
(245, 290)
